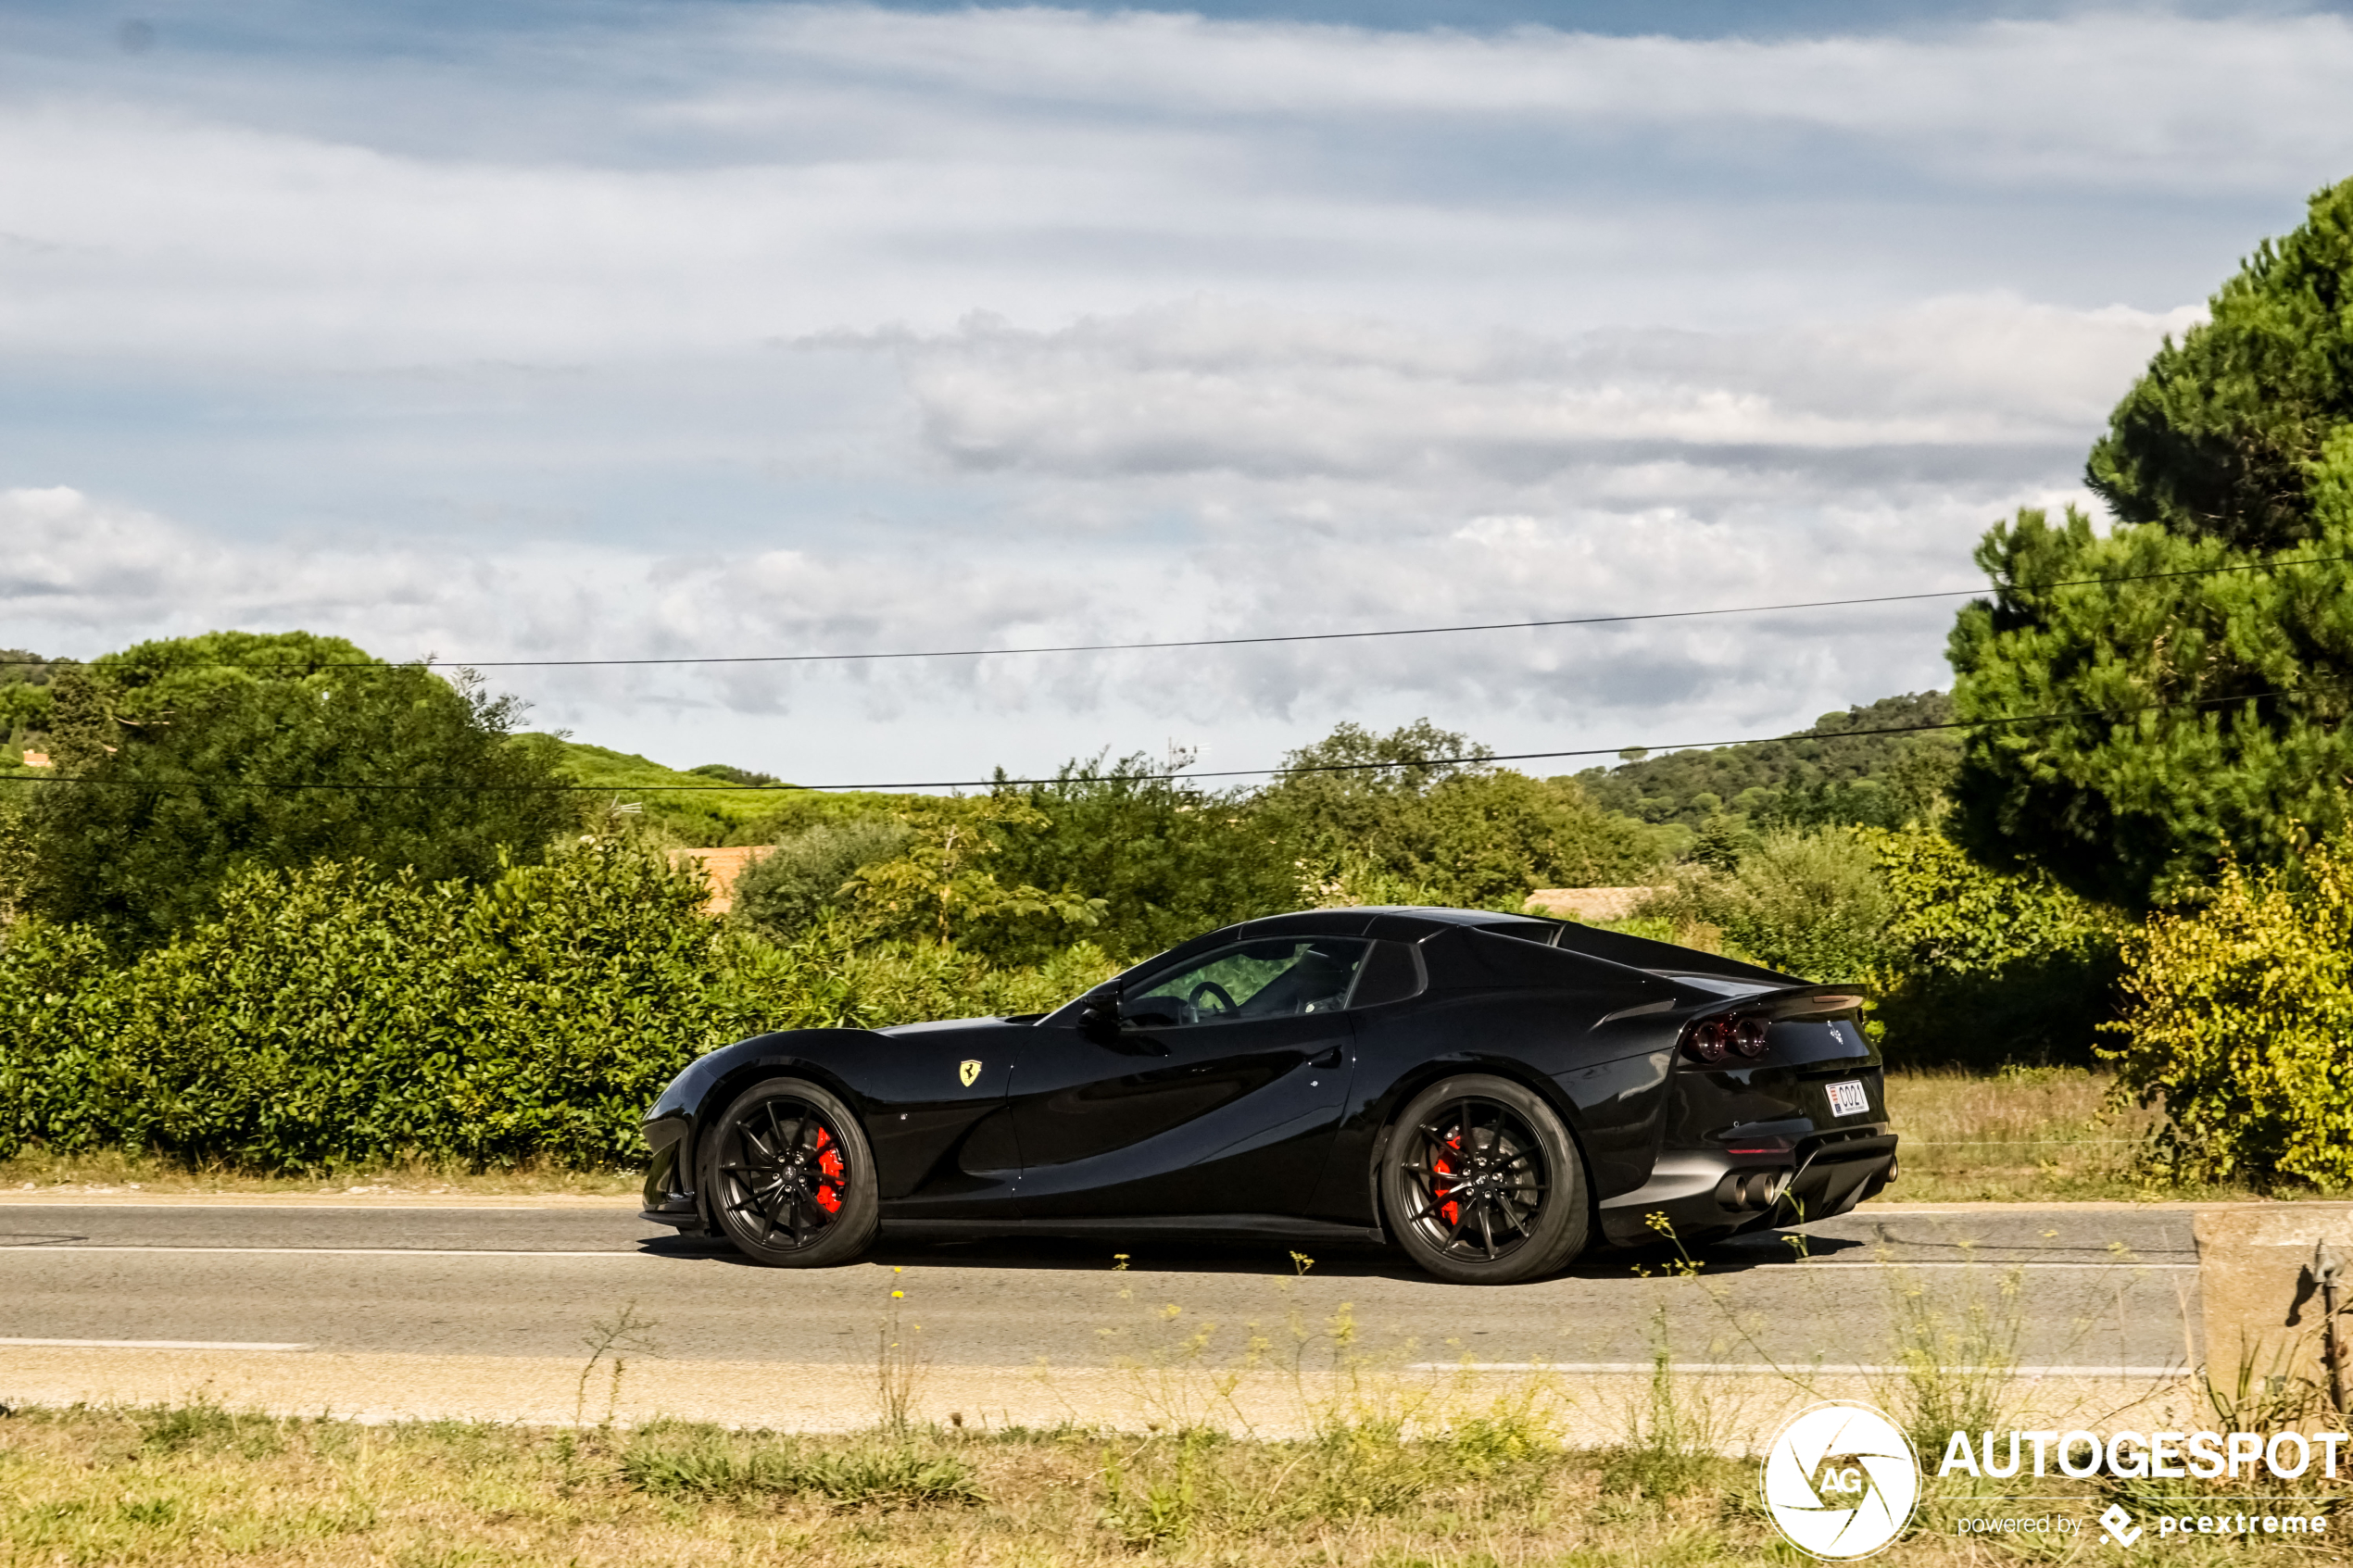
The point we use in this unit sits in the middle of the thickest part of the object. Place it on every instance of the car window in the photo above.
(1276, 978)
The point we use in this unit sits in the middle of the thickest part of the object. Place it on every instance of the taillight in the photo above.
(1711, 1040)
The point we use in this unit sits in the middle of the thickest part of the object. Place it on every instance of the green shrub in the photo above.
(1809, 904)
(829, 979)
(784, 891)
(187, 768)
(2237, 1011)
(1169, 858)
(1969, 967)
(1461, 832)
(1981, 968)
(330, 1016)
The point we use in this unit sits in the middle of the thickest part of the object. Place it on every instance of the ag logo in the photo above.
(969, 1072)
(1839, 1480)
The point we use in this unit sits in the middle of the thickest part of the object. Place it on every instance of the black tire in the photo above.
(1482, 1184)
(791, 1177)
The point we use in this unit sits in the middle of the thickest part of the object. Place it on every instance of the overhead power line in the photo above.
(1258, 640)
(40, 778)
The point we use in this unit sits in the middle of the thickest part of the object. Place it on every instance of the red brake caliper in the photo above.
(1448, 1210)
(829, 1163)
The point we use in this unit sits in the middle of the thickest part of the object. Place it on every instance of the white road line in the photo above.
(1792, 1369)
(327, 1251)
(1984, 1263)
(241, 1207)
(163, 1344)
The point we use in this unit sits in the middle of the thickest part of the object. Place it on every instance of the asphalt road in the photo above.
(2095, 1288)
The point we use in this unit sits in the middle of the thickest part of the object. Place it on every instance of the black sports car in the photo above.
(1489, 1092)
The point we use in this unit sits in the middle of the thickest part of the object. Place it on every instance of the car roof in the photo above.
(1415, 923)
(1404, 922)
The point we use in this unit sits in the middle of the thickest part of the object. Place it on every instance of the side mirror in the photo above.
(1099, 1018)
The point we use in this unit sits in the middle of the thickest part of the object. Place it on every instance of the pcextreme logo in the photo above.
(1839, 1480)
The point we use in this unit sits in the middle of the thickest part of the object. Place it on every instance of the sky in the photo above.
(508, 332)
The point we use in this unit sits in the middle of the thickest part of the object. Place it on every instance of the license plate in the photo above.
(1847, 1099)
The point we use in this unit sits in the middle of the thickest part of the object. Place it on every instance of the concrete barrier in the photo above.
(2265, 1273)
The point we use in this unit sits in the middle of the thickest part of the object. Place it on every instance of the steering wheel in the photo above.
(1211, 988)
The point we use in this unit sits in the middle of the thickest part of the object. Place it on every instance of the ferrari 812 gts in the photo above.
(1489, 1093)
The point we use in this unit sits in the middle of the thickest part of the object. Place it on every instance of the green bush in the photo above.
(1462, 833)
(1808, 904)
(1980, 968)
(303, 750)
(331, 1016)
(786, 890)
(1168, 858)
(1969, 967)
(829, 979)
(2237, 1011)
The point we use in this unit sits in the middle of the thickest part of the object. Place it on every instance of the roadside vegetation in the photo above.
(271, 906)
(158, 1487)
(335, 1021)
(162, 1487)
(1388, 1464)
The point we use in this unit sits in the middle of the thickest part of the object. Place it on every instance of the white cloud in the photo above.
(777, 328)
(2153, 98)
(881, 166)
(1206, 386)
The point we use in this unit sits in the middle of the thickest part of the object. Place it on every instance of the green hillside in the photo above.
(686, 804)
(1834, 772)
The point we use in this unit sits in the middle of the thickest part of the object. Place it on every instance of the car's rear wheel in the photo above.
(792, 1177)
(1482, 1184)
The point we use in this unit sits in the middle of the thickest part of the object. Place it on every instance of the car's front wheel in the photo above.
(1482, 1184)
(792, 1177)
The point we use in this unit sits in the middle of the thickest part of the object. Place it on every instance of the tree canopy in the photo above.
(2224, 435)
(2137, 728)
(182, 763)
(1421, 811)
(1844, 768)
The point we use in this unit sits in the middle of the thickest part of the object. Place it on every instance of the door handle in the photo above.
(1329, 1058)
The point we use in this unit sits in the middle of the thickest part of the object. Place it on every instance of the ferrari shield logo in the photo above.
(968, 1071)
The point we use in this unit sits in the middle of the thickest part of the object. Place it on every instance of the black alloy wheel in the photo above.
(791, 1177)
(1482, 1184)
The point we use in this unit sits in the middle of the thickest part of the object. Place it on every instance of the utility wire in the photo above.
(1172, 774)
(1252, 641)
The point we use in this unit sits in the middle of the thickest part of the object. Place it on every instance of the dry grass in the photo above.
(200, 1486)
(2025, 1133)
(112, 1171)
(2028, 1134)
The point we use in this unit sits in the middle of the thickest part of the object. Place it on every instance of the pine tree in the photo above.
(2154, 722)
